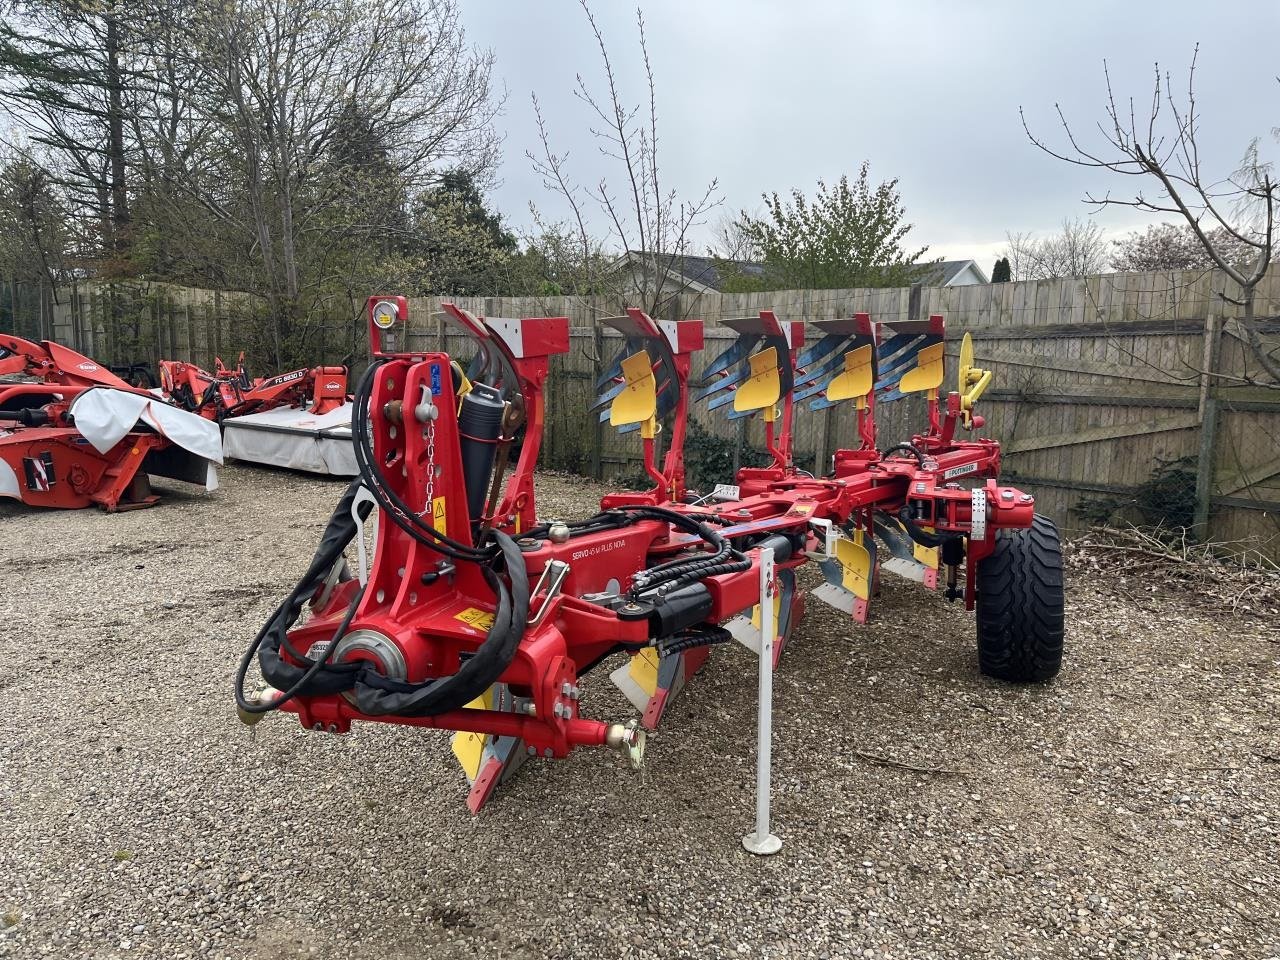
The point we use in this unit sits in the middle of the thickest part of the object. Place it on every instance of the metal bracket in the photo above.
(830, 534)
(362, 558)
(978, 514)
(553, 575)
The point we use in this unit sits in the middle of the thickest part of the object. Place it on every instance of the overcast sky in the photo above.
(769, 95)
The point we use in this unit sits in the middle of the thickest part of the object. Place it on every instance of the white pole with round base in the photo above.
(760, 841)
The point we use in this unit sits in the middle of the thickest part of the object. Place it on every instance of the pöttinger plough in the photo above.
(477, 616)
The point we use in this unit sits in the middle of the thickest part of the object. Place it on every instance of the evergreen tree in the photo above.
(1001, 273)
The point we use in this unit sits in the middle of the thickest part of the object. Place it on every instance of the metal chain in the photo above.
(428, 506)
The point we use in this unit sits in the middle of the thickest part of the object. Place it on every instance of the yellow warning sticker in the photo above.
(475, 617)
(438, 516)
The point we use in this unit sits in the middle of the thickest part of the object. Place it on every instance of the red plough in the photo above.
(75, 435)
(475, 615)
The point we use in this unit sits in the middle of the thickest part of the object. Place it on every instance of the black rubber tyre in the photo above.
(1020, 605)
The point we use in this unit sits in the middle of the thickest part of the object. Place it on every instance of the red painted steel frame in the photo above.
(528, 346)
(428, 607)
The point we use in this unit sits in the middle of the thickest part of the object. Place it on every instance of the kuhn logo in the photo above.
(595, 551)
(88, 367)
(333, 386)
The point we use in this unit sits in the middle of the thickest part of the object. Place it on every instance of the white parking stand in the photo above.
(760, 841)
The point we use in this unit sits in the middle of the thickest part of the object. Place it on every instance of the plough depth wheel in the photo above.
(1020, 605)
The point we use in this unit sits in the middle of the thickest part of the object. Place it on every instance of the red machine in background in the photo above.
(233, 393)
(300, 419)
(476, 616)
(74, 434)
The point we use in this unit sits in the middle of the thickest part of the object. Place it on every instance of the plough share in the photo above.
(476, 615)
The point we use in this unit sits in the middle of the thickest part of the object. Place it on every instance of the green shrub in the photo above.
(1165, 501)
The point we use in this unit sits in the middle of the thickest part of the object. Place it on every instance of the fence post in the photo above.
(1205, 462)
(217, 324)
(824, 443)
(597, 369)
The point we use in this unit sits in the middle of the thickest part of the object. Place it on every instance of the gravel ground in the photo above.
(1127, 809)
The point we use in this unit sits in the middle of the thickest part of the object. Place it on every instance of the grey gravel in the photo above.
(1128, 809)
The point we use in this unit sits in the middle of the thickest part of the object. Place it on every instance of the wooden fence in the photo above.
(1125, 388)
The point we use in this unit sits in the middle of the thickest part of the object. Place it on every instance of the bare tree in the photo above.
(731, 240)
(33, 218)
(1175, 246)
(1160, 147)
(650, 222)
(1078, 250)
(68, 76)
(288, 104)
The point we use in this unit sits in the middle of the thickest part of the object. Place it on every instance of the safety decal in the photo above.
(39, 472)
(475, 617)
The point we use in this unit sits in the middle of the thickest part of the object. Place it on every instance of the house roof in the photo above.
(701, 273)
(941, 274)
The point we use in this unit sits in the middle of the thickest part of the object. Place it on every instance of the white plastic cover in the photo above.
(295, 439)
(104, 415)
(8, 481)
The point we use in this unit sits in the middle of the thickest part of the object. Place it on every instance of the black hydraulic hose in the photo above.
(605, 520)
(374, 693)
(393, 506)
(735, 565)
(916, 532)
(682, 570)
(698, 637)
(338, 533)
(614, 518)
(910, 448)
